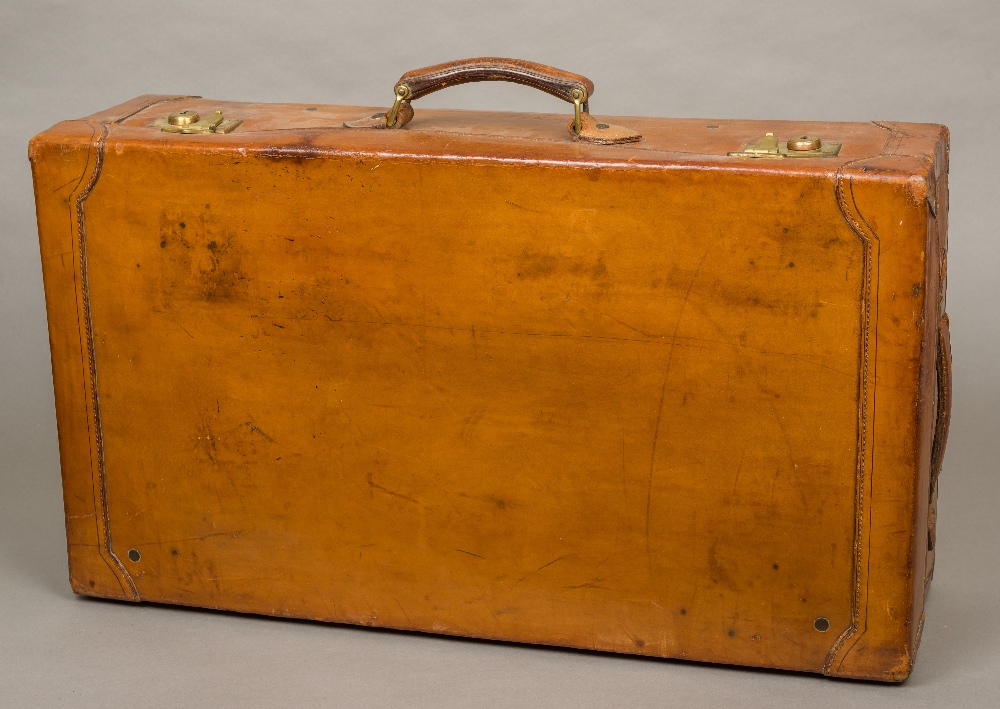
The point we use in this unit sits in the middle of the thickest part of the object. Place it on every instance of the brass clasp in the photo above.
(806, 146)
(188, 121)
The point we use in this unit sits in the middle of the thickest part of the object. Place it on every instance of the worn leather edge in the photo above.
(124, 111)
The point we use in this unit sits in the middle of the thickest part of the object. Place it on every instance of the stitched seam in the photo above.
(83, 360)
(846, 211)
(862, 437)
(91, 355)
(121, 573)
(150, 104)
(510, 73)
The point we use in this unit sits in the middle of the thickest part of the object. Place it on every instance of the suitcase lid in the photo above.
(315, 130)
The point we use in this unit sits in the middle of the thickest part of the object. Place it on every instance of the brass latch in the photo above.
(189, 121)
(805, 146)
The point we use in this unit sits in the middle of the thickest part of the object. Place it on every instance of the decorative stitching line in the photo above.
(98, 530)
(81, 198)
(860, 231)
(97, 431)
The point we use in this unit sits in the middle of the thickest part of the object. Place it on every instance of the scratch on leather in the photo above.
(659, 410)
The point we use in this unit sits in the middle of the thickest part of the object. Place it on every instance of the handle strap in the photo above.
(944, 399)
(562, 84)
(572, 88)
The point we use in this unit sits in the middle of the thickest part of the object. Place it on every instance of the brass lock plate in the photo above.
(798, 146)
(188, 121)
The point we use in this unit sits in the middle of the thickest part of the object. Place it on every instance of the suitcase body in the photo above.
(477, 377)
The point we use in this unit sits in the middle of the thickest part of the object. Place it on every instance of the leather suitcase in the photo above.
(676, 388)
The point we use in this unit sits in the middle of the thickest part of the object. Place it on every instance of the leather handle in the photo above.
(944, 399)
(556, 82)
(569, 87)
(572, 88)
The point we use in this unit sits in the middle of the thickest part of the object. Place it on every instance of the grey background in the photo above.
(847, 61)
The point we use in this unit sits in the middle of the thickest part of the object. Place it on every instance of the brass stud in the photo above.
(805, 142)
(183, 118)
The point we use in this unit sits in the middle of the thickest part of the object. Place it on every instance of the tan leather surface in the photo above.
(475, 377)
(483, 135)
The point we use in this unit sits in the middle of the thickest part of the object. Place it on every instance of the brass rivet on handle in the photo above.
(402, 92)
(134, 555)
(821, 624)
(579, 98)
(805, 142)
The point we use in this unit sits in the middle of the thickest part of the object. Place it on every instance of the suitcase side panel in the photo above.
(894, 197)
(66, 162)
